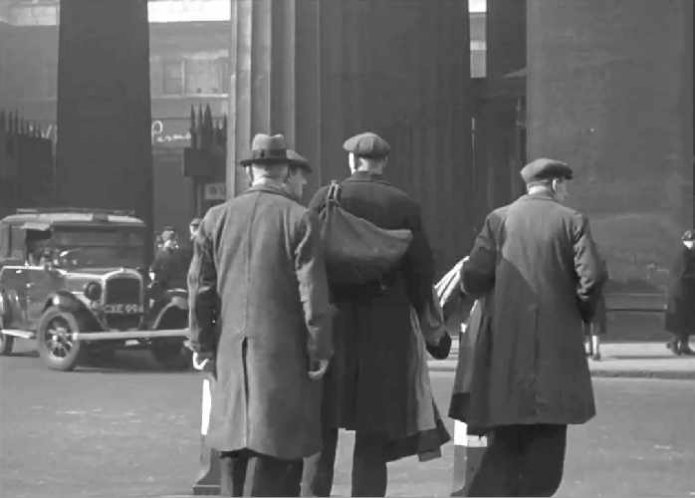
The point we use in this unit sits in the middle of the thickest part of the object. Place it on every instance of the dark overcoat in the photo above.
(366, 387)
(538, 263)
(170, 267)
(258, 272)
(680, 310)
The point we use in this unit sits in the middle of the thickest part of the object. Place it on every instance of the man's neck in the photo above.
(541, 190)
(269, 182)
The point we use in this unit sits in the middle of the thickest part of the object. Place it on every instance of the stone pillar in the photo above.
(322, 71)
(610, 91)
(501, 105)
(104, 157)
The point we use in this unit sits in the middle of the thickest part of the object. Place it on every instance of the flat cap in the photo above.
(267, 149)
(367, 144)
(545, 169)
(195, 222)
(299, 161)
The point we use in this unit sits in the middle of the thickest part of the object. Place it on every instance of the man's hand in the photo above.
(441, 349)
(318, 369)
(204, 362)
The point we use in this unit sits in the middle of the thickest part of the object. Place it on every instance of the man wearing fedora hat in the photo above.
(258, 277)
(537, 266)
(365, 388)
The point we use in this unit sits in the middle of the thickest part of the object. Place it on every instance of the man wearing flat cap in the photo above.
(259, 313)
(169, 266)
(365, 388)
(536, 264)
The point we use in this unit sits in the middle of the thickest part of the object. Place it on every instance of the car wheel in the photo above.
(172, 353)
(54, 340)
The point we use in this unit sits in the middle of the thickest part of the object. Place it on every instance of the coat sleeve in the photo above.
(313, 288)
(203, 306)
(591, 273)
(419, 264)
(478, 271)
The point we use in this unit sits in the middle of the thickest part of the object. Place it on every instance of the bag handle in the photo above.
(333, 194)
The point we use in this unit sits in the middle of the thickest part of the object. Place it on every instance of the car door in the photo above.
(42, 282)
(13, 281)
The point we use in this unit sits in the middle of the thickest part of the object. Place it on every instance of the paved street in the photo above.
(133, 430)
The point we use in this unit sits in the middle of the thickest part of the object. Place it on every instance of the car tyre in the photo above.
(172, 353)
(56, 348)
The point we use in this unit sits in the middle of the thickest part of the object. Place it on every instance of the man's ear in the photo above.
(553, 185)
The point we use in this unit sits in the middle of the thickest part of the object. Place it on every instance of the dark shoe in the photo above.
(673, 346)
(685, 349)
(596, 356)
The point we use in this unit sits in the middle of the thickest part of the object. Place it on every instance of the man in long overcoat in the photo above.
(366, 388)
(680, 311)
(538, 267)
(259, 308)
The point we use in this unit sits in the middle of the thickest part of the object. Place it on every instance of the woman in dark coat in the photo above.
(680, 312)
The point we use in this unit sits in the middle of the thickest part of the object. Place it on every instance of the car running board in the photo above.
(22, 334)
(129, 334)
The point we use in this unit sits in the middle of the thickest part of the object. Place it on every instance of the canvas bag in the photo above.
(356, 250)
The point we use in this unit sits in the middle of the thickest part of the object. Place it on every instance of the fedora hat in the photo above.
(298, 161)
(267, 149)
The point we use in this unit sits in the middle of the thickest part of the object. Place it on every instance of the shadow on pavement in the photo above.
(126, 362)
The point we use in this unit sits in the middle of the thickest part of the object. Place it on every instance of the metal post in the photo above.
(208, 480)
(468, 453)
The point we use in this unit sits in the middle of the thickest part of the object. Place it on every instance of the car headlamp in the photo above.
(92, 291)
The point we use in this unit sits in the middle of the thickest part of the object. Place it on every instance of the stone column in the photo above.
(274, 71)
(610, 92)
(321, 71)
(104, 157)
(501, 104)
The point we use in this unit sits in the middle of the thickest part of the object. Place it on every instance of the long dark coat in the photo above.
(537, 261)
(259, 256)
(680, 311)
(366, 388)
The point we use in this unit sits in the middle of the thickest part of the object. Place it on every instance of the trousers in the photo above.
(521, 460)
(369, 473)
(247, 473)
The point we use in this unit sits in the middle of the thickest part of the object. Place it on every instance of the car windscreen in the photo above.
(100, 246)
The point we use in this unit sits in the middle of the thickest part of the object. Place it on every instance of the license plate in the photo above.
(123, 309)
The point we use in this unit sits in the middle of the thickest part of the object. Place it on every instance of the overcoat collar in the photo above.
(365, 176)
(270, 189)
(539, 196)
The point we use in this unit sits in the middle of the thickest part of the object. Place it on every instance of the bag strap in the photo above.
(333, 194)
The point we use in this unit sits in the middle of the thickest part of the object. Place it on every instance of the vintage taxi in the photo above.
(75, 281)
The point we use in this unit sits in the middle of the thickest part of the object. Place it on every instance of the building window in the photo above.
(222, 67)
(206, 76)
(172, 83)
